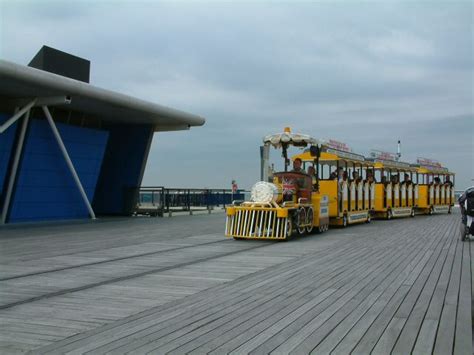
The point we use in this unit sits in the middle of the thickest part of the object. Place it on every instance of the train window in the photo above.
(423, 179)
(378, 175)
(326, 171)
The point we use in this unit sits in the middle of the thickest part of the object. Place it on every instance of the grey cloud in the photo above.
(363, 72)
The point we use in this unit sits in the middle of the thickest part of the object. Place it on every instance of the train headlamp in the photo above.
(264, 192)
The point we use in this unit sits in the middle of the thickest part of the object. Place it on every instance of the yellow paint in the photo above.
(230, 211)
(329, 187)
(379, 197)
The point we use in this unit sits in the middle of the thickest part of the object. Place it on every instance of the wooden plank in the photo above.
(237, 286)
(272, 291)
(445, 336)
(426, 337)
(391, 334)
(300, 285)
(362, 338)
(385, 343)
(463, 335)
(407, 338)
(338, 291)
(372, 328)
(325, 310)
(362, 317)
(353, 309)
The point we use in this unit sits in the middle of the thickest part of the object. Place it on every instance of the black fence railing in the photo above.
(158, 200)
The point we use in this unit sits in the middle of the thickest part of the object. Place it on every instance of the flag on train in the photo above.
(288, 186)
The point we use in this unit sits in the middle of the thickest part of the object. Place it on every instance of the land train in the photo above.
(330, 185)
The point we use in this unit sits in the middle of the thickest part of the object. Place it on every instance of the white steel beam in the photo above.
(68, 160)
(17, 116)
(14, 170)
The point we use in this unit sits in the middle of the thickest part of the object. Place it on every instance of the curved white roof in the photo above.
(22, 82)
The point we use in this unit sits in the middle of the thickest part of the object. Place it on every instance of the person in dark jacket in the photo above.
(462, 199)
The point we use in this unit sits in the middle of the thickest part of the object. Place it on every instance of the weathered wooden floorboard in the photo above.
(408, 336)
(272, 289)
(427, 333)
(391, 334)
(351, 308)
(347, 291)
(462, 340)
(177, 286)
(444, 342)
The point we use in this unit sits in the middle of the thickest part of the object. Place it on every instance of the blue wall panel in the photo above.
(123, 167)
(6, 142)
(45, 188)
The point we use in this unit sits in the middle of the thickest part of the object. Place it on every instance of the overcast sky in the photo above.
(363, 73)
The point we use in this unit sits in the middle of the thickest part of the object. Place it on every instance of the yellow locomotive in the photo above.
(290, 204)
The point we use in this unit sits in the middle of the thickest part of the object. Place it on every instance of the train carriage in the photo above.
(345, 177)
(436, 187)
(396, 190)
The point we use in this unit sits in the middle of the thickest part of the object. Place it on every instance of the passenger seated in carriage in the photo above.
(370, 177)
(406, 179)
(312, 173)
(343, 177)
(447, 181)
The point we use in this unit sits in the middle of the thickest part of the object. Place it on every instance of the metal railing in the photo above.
(159, 200)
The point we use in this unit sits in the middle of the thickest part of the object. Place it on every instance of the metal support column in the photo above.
(14, 170)
(68, 161)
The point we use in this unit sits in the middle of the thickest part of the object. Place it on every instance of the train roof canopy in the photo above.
(288, 138)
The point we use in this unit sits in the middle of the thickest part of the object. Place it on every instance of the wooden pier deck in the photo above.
(176, 285)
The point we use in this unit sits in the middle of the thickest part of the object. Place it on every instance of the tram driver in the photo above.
(297, 163)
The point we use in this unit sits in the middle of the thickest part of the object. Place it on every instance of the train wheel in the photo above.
(300, 220)
(289, 228)
(344, 221)
(309, 220)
